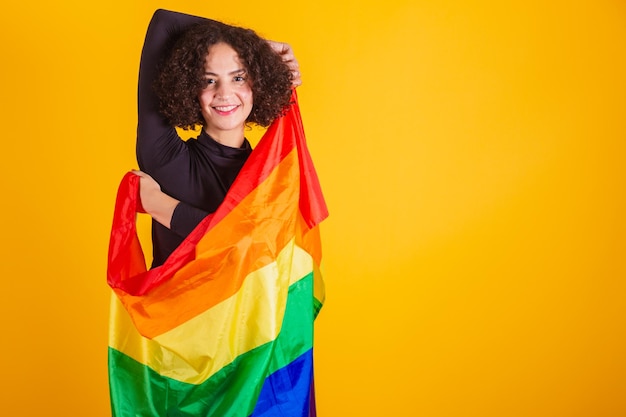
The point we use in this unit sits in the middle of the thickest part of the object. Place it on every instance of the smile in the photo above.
(225, 110)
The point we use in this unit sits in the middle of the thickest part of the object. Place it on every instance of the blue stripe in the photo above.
(287, 392)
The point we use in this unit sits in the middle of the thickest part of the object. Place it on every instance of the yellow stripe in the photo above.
(319, 289)
(246, 239)
(198, 348)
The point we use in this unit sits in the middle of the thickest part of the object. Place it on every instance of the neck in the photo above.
(231, 139)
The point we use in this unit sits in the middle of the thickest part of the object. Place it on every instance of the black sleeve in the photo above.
(185, 218)
(156, 139)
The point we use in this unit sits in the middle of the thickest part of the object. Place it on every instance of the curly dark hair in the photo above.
(181, 77)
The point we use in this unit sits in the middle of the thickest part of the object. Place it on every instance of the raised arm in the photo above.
(155, 137)
(157, 140)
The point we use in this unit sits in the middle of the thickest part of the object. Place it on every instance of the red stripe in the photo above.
(127, 270)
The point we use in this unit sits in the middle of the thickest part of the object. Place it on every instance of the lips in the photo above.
(225, 110)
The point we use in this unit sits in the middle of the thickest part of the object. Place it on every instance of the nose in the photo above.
(223, 91)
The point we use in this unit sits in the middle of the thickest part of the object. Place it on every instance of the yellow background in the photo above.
(473, 156)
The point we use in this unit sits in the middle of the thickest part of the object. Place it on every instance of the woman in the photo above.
(206, 340)
(215, 75)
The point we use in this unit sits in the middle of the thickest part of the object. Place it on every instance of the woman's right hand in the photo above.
(286, 53)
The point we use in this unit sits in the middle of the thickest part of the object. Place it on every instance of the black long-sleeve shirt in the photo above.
(198, 172)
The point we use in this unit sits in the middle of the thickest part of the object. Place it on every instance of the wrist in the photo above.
(160, 206)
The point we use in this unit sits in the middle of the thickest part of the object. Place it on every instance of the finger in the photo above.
(296, 79)
(283, 49)
(293, 64)
(286, 53)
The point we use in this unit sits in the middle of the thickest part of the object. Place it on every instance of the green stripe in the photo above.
(317, 306)
(137, 390)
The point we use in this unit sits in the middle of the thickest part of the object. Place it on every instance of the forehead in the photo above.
(222, 57)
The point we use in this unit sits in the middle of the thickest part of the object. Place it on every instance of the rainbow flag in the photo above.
(225, 326)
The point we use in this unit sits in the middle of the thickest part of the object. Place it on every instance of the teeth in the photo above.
(224, 108)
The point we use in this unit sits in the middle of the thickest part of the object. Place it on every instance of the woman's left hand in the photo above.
(154, 201)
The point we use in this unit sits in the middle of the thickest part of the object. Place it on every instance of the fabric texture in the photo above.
(225, 326)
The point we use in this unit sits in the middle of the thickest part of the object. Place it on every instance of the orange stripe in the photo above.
(248, 238)
(198, 348)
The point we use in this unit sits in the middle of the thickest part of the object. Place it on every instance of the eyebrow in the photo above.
(235, 72)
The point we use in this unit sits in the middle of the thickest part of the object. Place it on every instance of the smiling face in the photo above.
(226, 101)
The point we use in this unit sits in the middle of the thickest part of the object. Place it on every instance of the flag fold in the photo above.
(225, 326)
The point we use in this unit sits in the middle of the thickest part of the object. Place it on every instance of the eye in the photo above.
(208, 82)
(240, 78)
